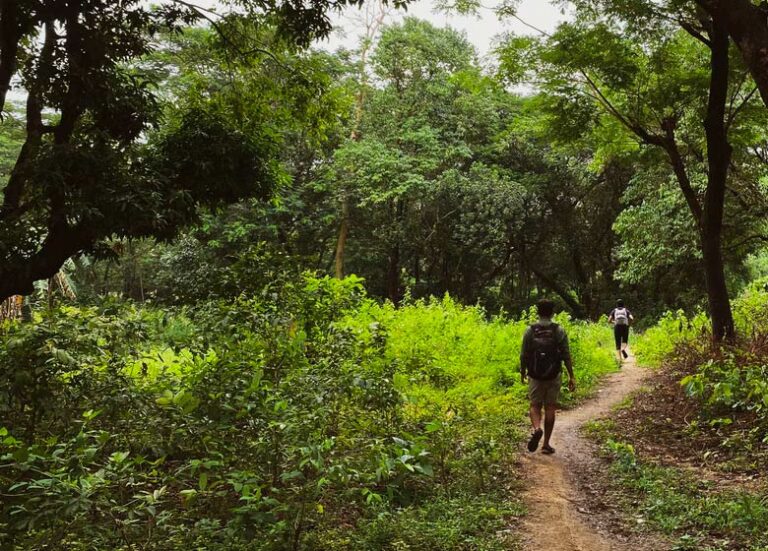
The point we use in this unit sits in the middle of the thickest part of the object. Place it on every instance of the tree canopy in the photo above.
(265, 296)
(407, 161)
(101, 156)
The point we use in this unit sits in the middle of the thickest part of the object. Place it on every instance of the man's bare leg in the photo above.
(549, 422)
(533, 443)
(535, 416)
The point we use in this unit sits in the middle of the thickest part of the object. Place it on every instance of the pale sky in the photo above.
(480, 30)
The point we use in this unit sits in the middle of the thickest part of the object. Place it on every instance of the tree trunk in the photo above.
(717, 291)
(373, 23)
(394, 292)
(342, 240)
(746, 24)
(718, 158)
(574, 305)
(393, 275)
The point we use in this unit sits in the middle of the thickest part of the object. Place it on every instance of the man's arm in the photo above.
(571, 378)
(565, 351)
(524, 354)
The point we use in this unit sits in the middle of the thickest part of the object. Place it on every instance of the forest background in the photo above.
(220, 231)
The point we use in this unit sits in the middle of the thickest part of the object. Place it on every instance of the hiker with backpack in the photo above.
(621, 318)
(545, 349)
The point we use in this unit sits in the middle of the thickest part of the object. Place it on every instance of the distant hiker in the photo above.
(545, 348)
(621, 318)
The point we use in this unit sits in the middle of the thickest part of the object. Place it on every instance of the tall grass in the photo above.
(449, 353)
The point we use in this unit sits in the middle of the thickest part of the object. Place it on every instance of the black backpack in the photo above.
(545, 362)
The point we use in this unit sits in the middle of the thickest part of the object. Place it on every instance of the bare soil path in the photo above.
(559, 516)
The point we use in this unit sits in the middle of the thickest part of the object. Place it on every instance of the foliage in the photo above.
(261, 423)
(675, 329)
(452, 184)
(726, 387)
(103, 156)
(695, 510)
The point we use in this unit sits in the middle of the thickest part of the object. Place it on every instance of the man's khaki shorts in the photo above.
(544, 392)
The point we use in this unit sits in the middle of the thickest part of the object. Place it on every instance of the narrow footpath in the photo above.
(558, 516)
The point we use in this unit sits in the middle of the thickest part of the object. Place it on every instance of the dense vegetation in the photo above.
(711, 416)
(273, 295)
(410, 163)
(317, 419)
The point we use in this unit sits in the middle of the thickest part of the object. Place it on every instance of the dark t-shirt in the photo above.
(527, 348)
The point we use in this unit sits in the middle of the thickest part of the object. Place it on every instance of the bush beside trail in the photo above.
(310, 417)
(690, 452)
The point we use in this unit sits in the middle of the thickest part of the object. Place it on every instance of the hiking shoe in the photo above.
(533, 443)
(547, 449)
(624, 353)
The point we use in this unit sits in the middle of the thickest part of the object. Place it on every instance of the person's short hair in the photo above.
(545, 308)
(620, 303)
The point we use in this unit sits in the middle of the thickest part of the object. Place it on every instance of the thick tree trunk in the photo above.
(746, 24)
(574, 305)
(718, 158)
(717, 290)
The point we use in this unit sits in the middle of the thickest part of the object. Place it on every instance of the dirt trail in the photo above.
(558, 517)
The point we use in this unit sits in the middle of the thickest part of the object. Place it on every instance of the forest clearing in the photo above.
(313, 275)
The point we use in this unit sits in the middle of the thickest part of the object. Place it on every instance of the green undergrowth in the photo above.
(673, 331)
(308, 417)
(726, 383)
(726, 394)
(476, 522)
(678, 332)
(680, 503)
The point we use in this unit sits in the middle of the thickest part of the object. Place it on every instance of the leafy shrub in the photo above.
(679, 502)
(727, 386)
(673, 330)
(750, 310)
(265, 423)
